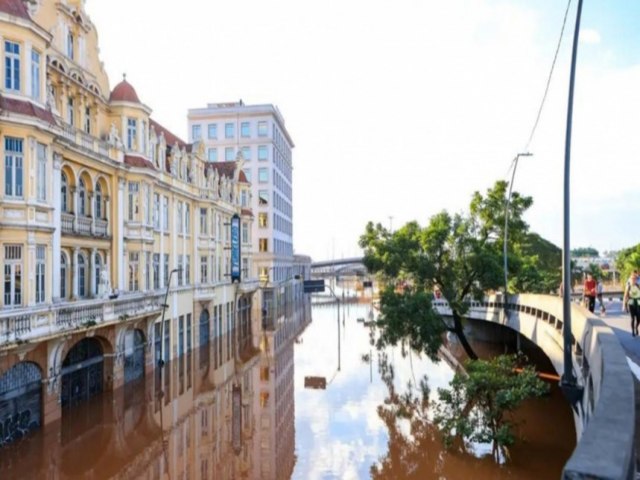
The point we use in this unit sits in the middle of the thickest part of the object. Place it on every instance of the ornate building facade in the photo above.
(103, 212)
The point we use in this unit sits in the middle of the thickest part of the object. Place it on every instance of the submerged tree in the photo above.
(479, 404)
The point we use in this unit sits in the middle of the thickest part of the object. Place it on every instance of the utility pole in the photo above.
(572, 391)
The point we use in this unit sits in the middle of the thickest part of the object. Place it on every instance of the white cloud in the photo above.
(590, 36)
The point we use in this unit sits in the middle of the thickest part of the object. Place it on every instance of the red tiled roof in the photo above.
(223, 168)
(123, 92)
(24, 107)
(15, 7)
(168, 136)
(246, 212)
(136, 161)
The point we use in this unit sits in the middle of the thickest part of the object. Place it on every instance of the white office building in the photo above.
(258, 132)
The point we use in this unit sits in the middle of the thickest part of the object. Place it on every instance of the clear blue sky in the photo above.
(405, 108)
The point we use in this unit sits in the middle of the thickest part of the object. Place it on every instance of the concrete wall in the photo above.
(605, 417)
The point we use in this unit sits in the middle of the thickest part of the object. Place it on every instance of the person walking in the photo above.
(589, 292)
(631, 302)
(599, 290)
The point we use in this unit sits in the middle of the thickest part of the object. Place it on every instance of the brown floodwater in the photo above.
(180, 423)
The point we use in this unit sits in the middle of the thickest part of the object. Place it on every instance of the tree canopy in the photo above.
(584, 252)
(627, 261)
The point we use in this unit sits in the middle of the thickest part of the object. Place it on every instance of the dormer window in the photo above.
(70, 45)
(12, 66)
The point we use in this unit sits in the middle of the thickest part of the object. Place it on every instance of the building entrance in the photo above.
(82, 372)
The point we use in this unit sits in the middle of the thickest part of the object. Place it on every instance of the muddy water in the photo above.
(182, 423)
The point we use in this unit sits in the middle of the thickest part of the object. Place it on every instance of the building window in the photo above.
(132, 129)
(133, 271)
(187, 269)
(12, 66)
(13, 275)
(263, 218)
(263, 153)
(134, 187)
(63, 276)
(70, 111)
(263, 175)
(165, 213)
(13, 174)
(64, 189)
(82, 197)
(212, 130)
(70, 45)
(98, 202)
(87, 120)
(40, 273)
(156, 211)
(196, 132)
(244, 201)
(41, 154)
(180, 270)
(204, 261)
(212, 154)
(263, 245)
(228, 154)
(245, 130)
(246, 153)
(156, 271)
(203, 221)
(165, 268)
(180, 218)
(35, 75)
(147, 270)
(245, 232)
(264, 399)
(263, 198)
(262, 129)
(143, 136)
(228, 130)
(82, 276)
(264, 374)
(98, 269)
(187, 219)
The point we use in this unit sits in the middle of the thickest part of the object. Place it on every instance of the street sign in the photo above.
(313, 286)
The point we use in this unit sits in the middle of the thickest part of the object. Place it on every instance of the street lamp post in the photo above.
(506, 224)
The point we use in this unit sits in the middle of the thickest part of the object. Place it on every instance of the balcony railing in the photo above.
(129, 307)
(84, 140)
(67, 222)
(84, 226)
(80, 315)
(101, 227)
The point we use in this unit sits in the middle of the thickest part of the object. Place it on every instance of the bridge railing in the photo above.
(605, 418)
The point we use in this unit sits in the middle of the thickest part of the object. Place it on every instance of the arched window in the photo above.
(82, 277)
(82, 197)
(64, 192)
(98, 260)
(98, 207)
(63, 276)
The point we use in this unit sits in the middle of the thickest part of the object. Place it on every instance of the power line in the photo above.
(546, 90)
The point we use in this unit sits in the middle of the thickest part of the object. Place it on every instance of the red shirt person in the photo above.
(589, 292)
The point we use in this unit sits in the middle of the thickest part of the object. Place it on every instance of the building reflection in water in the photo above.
(196, 418)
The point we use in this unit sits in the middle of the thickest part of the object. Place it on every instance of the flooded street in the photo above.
(191, 420)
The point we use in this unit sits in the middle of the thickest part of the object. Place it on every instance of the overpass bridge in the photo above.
(338, 267)
(605, 418)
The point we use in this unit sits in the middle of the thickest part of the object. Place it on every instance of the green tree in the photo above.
(461, 255)
(584, 252)
(479, 404)
(627, 261)
(536, 264)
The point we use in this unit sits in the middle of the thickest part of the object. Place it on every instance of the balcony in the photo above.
(204, 293)
(86, 142)
(83, 226)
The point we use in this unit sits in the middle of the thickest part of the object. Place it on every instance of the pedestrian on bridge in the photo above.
(589, 292)
(631, 301)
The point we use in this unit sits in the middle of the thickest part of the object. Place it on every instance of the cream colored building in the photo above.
(101, 210)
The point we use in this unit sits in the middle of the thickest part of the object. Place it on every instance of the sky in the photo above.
(400, 109)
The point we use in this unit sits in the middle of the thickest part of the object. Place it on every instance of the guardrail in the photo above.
(605, 417)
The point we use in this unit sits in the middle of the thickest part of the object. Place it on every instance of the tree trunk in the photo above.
(457, 329)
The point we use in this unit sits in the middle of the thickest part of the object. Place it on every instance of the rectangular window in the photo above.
(35, 75)
(263, 175)
(180, 270)
(245, 232)
(245, 130)
(246, 153)
(70, 111)
(212, 130)
(196, 132)
(12, 275)
(156, 271)
(180, 218)
(70, 45)
(187, 269)
(180, 335)
(228, 130)
(247, 173)
(165, 268)
(212, 154)
(244, 198)
(187, 219)
(41, 153)
(40, 273)
(263, 153)
(147, 270)
(165, 213)
(133, 271)
(134, 188)
(263, 220)
(204, 270)
(156, 211)
(262, 129)
(87, 120)
(13, 173)
(203, 221)
(228, 154)
(263, 198)
(132, 132)
(143, 136)
(188, 345)
(263, 245)
(12, 66)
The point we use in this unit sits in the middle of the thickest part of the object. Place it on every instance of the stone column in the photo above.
(120, 250)
(107, 213)
(76, 206)
(92, 272)
(55, 243)
(92, 208)
(74, 273)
